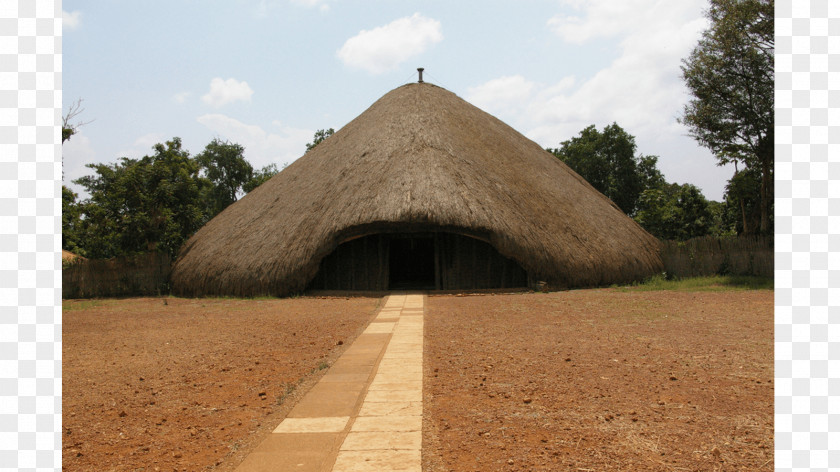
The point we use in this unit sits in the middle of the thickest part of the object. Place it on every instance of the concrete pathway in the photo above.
(366, 413)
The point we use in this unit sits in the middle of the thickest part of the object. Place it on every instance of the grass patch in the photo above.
(288, 389)
(716, 283)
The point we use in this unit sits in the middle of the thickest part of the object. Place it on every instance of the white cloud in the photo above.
(148, 140)
(282, 145)
(641, 90)
(227, 91)
(385, 47)
(70, 20)
(642, 87)
(75, 154)
(607, 18)
(142, 146)
(506, 90)
(181, 97)
(511, 93)
(321, 4)
(264, 7)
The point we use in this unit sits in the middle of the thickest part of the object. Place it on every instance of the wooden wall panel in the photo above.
(462, 263)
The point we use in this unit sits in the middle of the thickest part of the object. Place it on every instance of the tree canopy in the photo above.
(224, 165)
(674, 211)
(156, 202)
(730, 77)
(148, 204)
(259, 177)
(607, 160)
(319, 136)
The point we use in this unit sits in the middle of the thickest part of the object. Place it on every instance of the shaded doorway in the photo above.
(411, 262)
(431, 260)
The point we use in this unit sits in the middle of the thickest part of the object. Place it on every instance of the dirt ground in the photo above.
(587, 380)
(191, 385)
(598, 380)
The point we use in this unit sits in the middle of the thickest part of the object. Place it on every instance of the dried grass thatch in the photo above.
(418, 159)
(67, 256)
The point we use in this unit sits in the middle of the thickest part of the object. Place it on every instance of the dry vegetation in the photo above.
(419, 159)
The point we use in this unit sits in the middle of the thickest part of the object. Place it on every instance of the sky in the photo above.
(267, 74)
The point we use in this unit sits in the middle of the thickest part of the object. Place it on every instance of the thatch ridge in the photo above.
(422, 157)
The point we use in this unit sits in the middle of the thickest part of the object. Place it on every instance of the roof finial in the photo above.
(420, 71)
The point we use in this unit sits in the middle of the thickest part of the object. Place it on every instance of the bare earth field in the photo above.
(194, 384)
(597, 380)
(587, 380)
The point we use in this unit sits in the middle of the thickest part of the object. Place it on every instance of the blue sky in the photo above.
(268, 73)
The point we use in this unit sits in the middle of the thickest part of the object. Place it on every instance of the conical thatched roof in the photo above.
(420, 158)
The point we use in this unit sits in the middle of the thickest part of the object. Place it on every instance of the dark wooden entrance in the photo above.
(424, 261)
(411, 262)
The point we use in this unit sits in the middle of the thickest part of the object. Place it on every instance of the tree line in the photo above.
(608, 160)
(158, 201)
(729, 75)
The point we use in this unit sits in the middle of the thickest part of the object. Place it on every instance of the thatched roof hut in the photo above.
(422, 190)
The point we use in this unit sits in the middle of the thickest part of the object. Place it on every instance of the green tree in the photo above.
(137, 205)
(649, 173)
(71, 222)
(723, 219)
(676, 212)
(319, 136)
(607, 160)
(71, 209)
(730, 76)
(260, 177)
(224, 165)
(742, 196)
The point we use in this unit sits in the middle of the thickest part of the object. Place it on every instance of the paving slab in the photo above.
(384, 327)
(345, 366)
(297, 452)
(386, 385)
(333, 377)
(372, 440)
(359, 358)
(397, 369)
(382, 460)
(416, 361)
(371, 349)
(403, 377)
(391, 408)
(328, 399)
(412, 348)
(394, 395)
(365, 414)
(313, 425)
(388, 423)
(403, 354)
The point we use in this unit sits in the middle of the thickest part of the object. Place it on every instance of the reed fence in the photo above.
(140, 275)
(708, 255)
